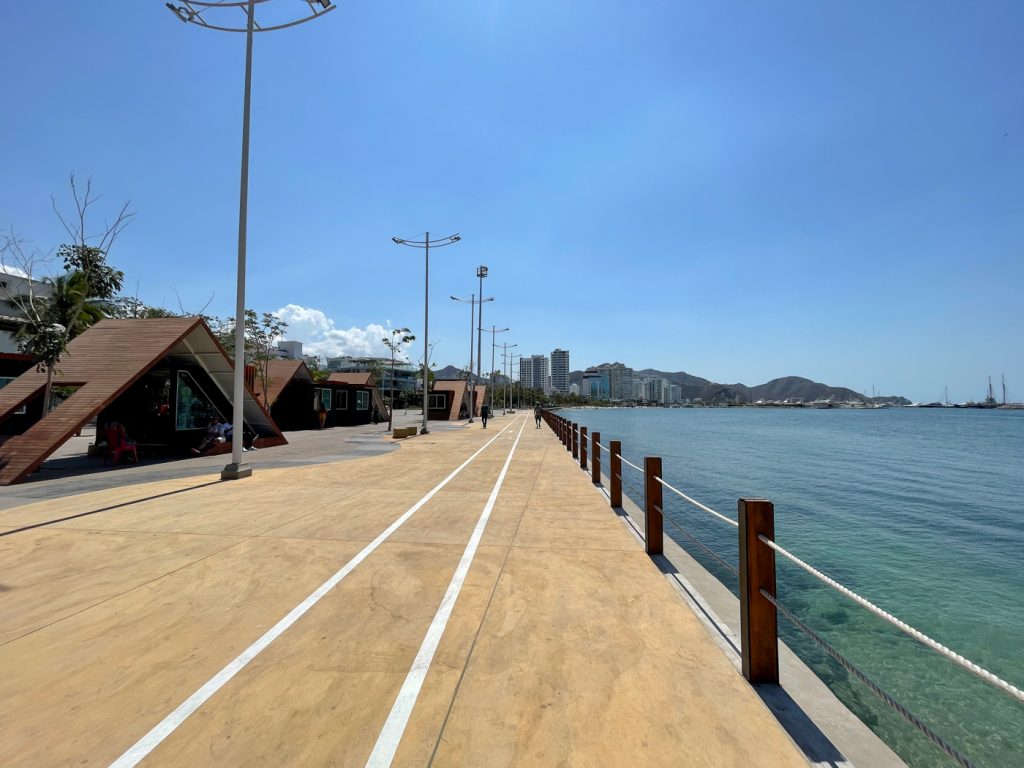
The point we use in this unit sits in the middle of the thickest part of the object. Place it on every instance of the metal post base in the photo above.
(424, 431)
(235, 471)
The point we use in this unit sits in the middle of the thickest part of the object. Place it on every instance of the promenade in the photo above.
(466, 600)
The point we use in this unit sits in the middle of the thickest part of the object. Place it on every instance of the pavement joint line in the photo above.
(151, 740)
(109, 508)
(394, 727)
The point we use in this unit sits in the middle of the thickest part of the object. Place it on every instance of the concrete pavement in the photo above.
(563, 643)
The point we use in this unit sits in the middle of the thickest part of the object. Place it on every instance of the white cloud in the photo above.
(319, 336)
(12, 270)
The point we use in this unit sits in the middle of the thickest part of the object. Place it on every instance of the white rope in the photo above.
(874, 687)
(697, 504)
(922, 638)
(631, 464)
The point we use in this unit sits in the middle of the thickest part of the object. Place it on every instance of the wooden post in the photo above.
(615, 473)
(758, 617)
(583, 447)
(595, 458)
(575, 440)
(653, 523)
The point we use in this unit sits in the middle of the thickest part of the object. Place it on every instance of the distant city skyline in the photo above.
(739, 192)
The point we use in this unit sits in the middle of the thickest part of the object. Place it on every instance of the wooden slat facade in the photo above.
(103, 363)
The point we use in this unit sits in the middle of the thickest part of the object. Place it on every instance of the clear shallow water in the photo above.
(920, 511)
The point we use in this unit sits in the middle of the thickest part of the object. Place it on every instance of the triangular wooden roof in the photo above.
(279, 375)
(361, 378)
(104, 362)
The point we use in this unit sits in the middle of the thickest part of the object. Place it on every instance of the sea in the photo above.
(921, 511)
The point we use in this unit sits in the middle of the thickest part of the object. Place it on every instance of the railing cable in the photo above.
(922, 638)
(631, 464)
(724, 563)
(697, 504)
(909, 716)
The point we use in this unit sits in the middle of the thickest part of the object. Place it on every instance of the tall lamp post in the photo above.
(425, 244)
(472, 301)
(505, 347)
(490, 376)
(481, 272)
(516, 359)
(193, 12)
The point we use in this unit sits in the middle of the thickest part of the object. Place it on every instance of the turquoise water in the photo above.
(920, 511)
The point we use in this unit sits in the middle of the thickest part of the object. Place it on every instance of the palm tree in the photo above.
(54, 319)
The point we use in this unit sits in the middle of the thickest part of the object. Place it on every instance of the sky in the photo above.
(738, 190)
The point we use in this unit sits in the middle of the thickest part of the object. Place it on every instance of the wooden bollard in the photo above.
(583, 447)
(575, 440)
(653, 523)
(759, 629)
(615, 473)
(595, 458)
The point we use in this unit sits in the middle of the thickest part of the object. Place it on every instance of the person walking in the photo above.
(537, 415)
(485, 414)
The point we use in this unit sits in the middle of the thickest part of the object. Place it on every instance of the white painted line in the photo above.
(391, 734)
(166, 727)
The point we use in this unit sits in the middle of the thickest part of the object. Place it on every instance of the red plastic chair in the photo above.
(118, 443)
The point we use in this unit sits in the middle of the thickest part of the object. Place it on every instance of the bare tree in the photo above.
(55, 309)
(399, 338)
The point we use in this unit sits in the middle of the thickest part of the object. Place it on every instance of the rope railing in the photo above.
(697, 504)
(922, 638)
(631, 464)
(711, 553)
(757, 577)
(909, 716)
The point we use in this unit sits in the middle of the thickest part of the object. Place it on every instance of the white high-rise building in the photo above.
(526, 372)
(533, 372)
(560, 371)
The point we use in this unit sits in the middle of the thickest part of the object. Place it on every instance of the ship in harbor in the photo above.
(990, 401)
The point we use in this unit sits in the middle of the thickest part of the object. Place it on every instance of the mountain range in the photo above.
(694, 387)
(786, 388)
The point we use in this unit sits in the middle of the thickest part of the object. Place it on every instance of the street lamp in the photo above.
(481, 272)
(505, 347)
(519, 402)
(491, 374)
(425, 244)
(472, 301)
(193, 12)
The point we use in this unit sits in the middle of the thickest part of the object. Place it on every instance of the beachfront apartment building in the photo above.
(533, 373)
(560, 371)
(620, 380)
(594, 385)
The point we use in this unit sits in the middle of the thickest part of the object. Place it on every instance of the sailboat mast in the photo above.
(1004, 389)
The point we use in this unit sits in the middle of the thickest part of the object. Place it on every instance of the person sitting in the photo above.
(216, 432)
(118, 443)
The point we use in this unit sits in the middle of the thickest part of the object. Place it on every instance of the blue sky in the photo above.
(739, 190)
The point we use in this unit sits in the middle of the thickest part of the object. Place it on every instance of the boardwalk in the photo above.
(559, 642)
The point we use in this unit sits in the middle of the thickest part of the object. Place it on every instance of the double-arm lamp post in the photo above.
(472, 301)
(426, 243)
(506, 364)
(195, 12)
(490, 376)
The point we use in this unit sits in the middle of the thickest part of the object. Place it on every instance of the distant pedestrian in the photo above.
(537, 415)
(485, 414)
(322, 415)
